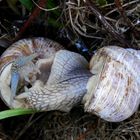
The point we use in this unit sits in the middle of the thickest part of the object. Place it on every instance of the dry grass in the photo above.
(106, 24)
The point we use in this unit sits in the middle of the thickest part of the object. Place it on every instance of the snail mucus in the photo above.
(39, 73)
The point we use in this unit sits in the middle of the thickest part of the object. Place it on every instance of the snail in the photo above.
(52, 73)
(39, 73)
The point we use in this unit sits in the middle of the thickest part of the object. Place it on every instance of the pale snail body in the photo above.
(64, 88)
(111, 88)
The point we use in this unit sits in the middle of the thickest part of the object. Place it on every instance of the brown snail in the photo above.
(60, 79)
(53, 76)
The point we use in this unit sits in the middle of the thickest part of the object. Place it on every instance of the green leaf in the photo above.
(54, 23)
(12, 5)
(101, 2)
(15, 112)
(51, 4)
(28, 4)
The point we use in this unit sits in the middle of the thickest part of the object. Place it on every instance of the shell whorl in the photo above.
(116, 93)
(25, 47)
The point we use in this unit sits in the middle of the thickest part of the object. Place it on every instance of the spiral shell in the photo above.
(114, 89)
(26, 47)
(45, 49)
